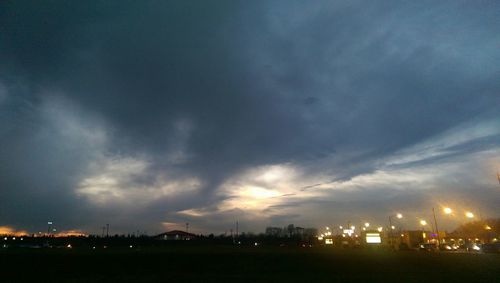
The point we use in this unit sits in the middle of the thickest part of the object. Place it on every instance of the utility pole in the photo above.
(107, 230)
(187, 227)
(236, 229)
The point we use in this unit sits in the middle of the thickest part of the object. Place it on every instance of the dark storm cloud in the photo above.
(333, 87)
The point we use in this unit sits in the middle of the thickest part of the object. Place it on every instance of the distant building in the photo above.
(176, 235)
(414, 238)
(291, 231)
(274, 231)
(299, 231)
(310, 232)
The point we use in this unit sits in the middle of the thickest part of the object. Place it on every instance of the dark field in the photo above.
(248, 264)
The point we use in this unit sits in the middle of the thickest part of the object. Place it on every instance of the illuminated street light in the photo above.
(469, 214)
(380, 229)
(487, 227)
(398, 216)
(340, 227)
(447, 210)
(367, 224)
(393, 227)
(327, 228)
(353, 228)
(423, 222)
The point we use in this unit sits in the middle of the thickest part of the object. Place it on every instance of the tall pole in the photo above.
(237, 229)
(436, 224)
(390, 230)
(187, 227)
(107, 230)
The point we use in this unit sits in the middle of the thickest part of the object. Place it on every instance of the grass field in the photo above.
(243, 264)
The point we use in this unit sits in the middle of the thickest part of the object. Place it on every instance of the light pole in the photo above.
(391, 227)
(49, 223)
(436, 224)
(423, 223)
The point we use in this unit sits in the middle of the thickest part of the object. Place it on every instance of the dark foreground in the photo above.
(244, 264)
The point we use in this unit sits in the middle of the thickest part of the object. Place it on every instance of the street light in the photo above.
(423, 223)
(367, 224)
(469, 214)
(447, 210)
(398, 216)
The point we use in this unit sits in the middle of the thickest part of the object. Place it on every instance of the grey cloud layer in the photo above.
(208, 90)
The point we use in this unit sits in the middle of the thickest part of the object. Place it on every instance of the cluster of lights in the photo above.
(13, 238)
(422, 222)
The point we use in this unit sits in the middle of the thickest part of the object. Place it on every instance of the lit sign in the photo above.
(373, 238)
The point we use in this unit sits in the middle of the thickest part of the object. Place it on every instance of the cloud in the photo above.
(259, 111)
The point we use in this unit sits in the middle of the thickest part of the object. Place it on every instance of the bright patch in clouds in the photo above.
(115, 180)
(259, 188)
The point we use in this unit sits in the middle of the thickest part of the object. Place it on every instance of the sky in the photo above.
(146, 115)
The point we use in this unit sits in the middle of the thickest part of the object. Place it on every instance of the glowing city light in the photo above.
(399, 215)
(380, 229)
(447, 210)
(423, 222)
(367, 224)
(469, 214)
